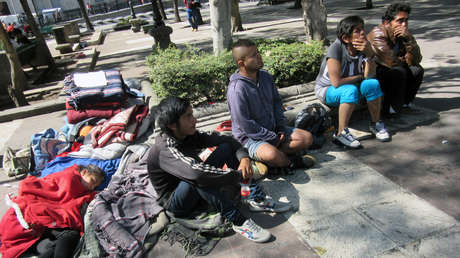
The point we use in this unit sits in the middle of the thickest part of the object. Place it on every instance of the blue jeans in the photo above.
(192, 16)
(350, 93)
(187, 196)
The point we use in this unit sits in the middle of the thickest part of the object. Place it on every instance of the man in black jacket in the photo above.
(182, 180)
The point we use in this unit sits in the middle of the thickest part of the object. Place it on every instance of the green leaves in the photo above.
(202, 77)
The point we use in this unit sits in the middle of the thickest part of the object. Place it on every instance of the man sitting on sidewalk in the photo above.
(182, 180)
(256, 111)
(346, 75)
(398, 65)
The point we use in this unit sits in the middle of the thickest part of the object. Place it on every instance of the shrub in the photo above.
(202, 77)
(199, 76)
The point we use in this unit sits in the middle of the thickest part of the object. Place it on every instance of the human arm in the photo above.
(176, 163)
(335, 74)
(370, 68)
(380, 41)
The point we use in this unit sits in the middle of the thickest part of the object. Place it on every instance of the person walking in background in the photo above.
(192, 13)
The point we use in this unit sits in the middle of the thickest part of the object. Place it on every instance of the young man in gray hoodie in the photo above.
(256, 110)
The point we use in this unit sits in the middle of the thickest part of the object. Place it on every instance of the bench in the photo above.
(64, 48)
(74, 39)
(96, 39)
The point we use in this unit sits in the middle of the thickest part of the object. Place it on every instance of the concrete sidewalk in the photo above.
(342, 207)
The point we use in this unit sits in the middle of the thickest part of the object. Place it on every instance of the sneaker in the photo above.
(259, 169)
(252, 231)
(347, 139)
(305, 161)
(378, 129)
(268, 204)
(392, 111)
(408, 105)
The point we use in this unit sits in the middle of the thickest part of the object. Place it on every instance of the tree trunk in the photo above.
(176, 11)
(297, 4)
(369, 4)
(220, 25)
(315, 18)
(18, 78)
(38, 35)
(236, 17)
(89, 26)
(162, 10)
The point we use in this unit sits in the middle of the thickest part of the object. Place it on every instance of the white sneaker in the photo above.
(347, 139)
(380, 131)
(268, 204)
(252, 231)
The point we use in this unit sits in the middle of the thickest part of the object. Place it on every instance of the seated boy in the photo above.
(46, 216)
(347, 75)
(256, 109)
(182, 180)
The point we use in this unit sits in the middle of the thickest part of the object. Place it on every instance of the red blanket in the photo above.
(121, 128)
(51, 202)
(101, 110)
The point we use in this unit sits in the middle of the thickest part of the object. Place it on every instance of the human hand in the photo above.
(281, 137)
(364, 46)
(245, 168)
(401, 31)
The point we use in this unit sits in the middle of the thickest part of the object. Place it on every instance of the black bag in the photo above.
(315, 119)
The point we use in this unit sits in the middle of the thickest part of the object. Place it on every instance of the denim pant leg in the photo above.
(224, 154)
(187, 196)
(192, 17)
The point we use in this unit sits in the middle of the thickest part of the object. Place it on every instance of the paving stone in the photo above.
(331, 188)
(346, 234)
(405, 217)
(444, 244)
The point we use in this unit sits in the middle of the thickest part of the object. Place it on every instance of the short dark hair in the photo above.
(347, 25)
(394, 9)
(93, 169)
(169, 111)
(241, 43)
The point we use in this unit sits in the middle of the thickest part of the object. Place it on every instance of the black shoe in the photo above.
(305, 161)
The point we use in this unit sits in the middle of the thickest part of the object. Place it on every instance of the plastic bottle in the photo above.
(245, 190)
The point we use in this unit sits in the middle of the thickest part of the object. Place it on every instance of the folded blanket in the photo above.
(100, 110)
(80, 97)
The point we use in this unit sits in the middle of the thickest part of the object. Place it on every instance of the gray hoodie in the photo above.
(256, 108)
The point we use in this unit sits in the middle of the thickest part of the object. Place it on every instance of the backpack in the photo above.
(16, 163)
(315, 119)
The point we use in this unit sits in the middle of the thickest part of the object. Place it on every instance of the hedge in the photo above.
(203, 77)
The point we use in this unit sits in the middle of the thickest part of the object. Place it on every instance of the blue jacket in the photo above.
(256, 108)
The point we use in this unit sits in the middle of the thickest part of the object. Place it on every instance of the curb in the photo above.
(291, 95)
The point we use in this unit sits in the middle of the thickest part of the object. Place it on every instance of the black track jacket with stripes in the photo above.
(171, 160)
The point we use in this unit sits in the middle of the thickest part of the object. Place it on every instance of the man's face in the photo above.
(401, 20)
(253, 61)
(90, 180)
(185, 126)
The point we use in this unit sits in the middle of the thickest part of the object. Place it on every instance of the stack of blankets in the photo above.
(95, 94)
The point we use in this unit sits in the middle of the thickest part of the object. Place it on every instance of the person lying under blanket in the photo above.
(46, 218)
